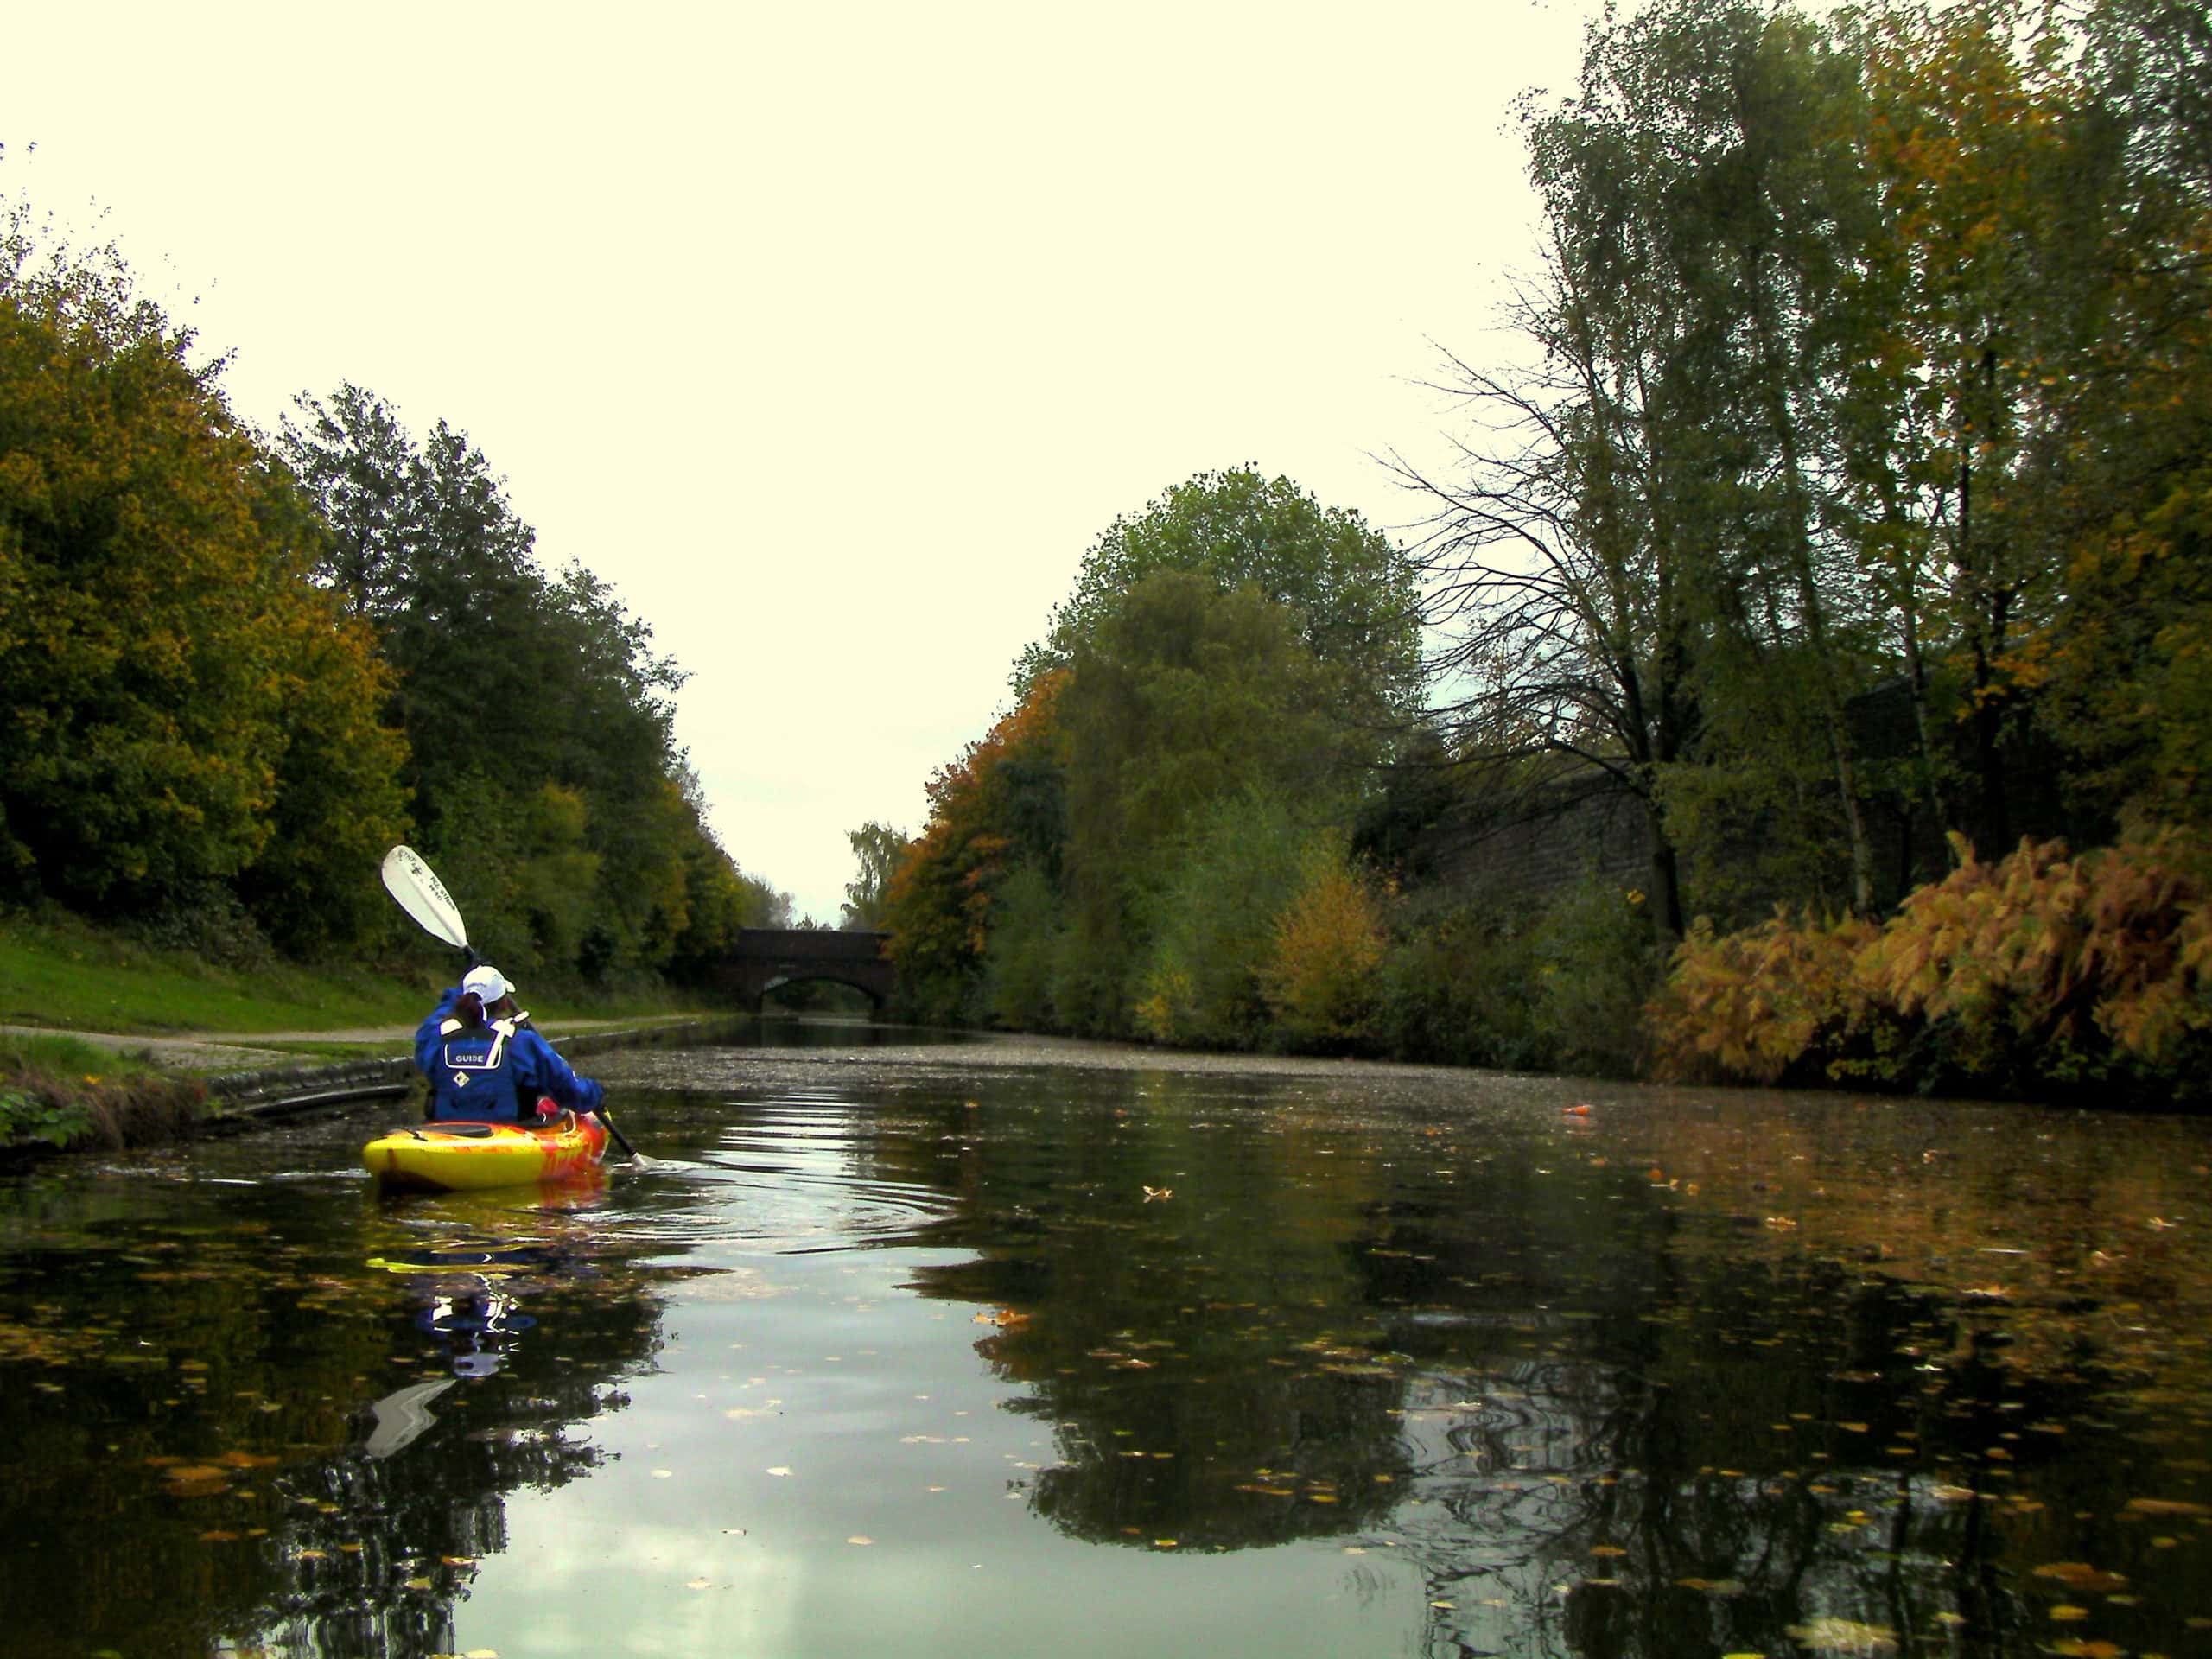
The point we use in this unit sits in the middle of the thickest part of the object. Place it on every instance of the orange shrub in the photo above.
(2041, 968)
(1749, 1005)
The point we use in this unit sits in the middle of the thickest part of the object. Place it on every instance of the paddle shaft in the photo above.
(620, 1139)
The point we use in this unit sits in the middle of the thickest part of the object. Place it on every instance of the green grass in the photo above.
(65, 1057)
(64, 975)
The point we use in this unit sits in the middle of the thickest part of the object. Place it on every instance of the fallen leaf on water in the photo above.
(1576, 1111)
(2067, 1613)
(1152, 1192)
(664, 1474)
(780, 1471)
(1607, 1549)
(1832, 1635)
(2079, 1575)
(2166, 1506)
(695, 1584)
(2078, 1648)
(861, 1539)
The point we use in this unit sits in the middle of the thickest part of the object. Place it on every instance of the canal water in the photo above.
(1016, 1348)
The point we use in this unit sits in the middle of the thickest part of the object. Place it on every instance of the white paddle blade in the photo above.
(422, 896)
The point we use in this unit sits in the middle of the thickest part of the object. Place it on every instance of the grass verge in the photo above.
(63, 975)
(56, 1092)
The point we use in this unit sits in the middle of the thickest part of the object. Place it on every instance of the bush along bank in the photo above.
(2084, 978)
(41, 1113)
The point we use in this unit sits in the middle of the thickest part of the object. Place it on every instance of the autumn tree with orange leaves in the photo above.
(997, 808)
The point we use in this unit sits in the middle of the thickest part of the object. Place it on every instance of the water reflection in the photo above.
(1608, 1410)
(230, 1431)
(929, 1360)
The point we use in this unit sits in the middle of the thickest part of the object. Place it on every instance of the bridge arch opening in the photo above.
(764, 960)
(817, 993)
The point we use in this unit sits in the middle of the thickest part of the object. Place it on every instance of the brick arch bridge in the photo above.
(765, 957)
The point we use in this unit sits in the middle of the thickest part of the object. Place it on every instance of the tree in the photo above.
(540, 719)
(879, 847)
(1350, 588)
(997, 809)
(1182, 695)
(178, 696)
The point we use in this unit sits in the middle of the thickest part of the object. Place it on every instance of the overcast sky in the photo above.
(830, 336)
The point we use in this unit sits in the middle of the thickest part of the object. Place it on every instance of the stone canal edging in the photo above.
(278, 1092)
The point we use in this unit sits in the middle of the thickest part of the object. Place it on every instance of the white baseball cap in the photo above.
(488, 983)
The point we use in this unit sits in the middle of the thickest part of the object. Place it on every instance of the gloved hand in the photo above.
(548, 1109)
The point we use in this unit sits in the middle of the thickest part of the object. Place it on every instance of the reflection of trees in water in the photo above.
(1595, 1417)
(380, 1549)
(195, 1474)
(1619, 1496)
(1189, 1351)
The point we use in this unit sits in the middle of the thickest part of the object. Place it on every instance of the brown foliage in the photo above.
(2065, 968)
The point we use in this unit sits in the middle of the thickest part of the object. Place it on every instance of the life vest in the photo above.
(474, 1076)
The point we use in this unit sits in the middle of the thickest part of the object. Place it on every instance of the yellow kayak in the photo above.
(456, 1157)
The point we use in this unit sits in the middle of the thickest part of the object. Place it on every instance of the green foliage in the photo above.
(1182, 696)
(1118, 854)
(539, 720)
(1209, 919)
(26, 1115)
(180, 697)
(879, 848)
(1596, 963)
(1350, 589)
(1023, 954)
(1456, 987)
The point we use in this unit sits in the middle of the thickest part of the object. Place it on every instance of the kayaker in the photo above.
(487, 1064)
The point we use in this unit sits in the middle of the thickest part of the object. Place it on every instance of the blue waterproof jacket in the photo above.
(494, 1072)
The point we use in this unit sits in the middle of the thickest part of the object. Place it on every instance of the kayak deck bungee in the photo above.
(460, 1157)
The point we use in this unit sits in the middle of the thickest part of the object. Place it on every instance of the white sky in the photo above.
(830, 336)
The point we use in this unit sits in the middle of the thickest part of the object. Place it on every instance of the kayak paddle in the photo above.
(416, 888)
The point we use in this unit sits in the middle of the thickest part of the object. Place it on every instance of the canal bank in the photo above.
(200, 1083)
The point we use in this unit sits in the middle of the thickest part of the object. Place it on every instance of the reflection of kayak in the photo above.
(458, 1157)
